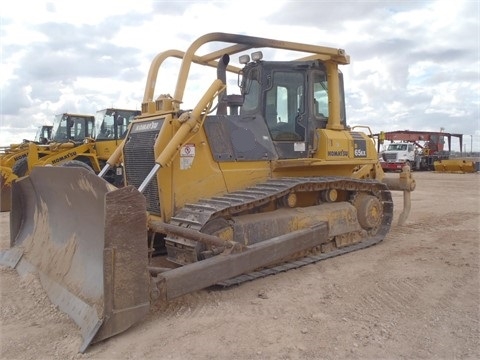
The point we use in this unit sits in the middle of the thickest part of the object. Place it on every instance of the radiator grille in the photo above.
(139, 159)
(391, 156)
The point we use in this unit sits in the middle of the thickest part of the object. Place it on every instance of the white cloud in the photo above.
(414, 64)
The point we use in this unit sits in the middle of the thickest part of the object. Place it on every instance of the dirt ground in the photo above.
(414, 296)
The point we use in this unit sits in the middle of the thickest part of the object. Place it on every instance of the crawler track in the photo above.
(195, 216)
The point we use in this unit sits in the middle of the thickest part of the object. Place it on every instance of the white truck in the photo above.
(397, 155)
(421, 150)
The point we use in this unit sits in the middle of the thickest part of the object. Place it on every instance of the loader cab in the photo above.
(72, 127)
(43, 134)
(293, 100)
(112, 124)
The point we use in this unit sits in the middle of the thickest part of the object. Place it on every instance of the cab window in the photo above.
(284, 102)
(320, 95)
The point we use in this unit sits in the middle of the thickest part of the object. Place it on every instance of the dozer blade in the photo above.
(88, 242)
(456, 166)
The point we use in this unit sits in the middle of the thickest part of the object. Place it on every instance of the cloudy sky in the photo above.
(414, 64)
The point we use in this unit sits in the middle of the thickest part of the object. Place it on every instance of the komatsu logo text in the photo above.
(147, 126)
(337, 153)
(64, 157)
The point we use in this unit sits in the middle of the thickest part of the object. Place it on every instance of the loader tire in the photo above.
(77, 163)
(20, 168)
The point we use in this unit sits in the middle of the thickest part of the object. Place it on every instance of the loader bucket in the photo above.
(88, 242)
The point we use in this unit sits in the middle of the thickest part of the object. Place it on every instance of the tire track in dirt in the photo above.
(447, 304)
(396, 295)
(448, 220)
(195, 304)
(13, 310)
(208, 302)
(40, 320)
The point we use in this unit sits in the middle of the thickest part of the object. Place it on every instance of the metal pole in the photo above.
(471, 144)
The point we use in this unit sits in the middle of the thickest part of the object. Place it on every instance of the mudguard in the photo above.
(88, 242)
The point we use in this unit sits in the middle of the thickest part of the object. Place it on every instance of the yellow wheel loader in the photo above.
(9, 155)
(240, 186)
(22, 157)
(42, 136)
(77, 140)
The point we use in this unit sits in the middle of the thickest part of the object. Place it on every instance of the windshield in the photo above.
(68, 127)
(397, 147)
(43, 134)
(320, 95)
(104, 125)
(112, 123)
(284, 104)
(251, 90)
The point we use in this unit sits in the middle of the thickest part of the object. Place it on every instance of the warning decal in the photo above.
(187, 154)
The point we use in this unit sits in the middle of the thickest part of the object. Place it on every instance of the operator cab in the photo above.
(112, 124)
(292, 98)
(281, 106)
(72, 127)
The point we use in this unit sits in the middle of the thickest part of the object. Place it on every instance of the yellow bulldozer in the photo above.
(242, 185)
(76, 140)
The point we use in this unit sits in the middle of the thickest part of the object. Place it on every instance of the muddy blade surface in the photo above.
(88, 242)
(5, 195)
